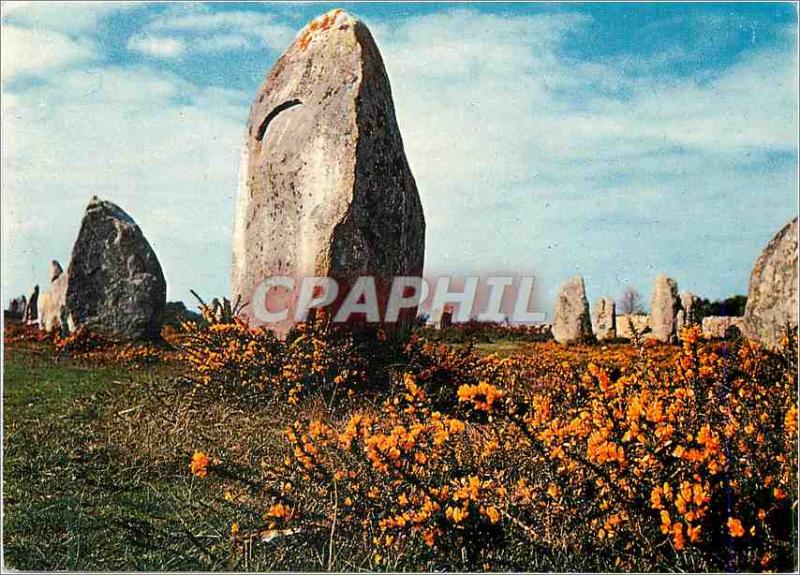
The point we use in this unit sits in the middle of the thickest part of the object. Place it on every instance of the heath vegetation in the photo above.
(343, 450)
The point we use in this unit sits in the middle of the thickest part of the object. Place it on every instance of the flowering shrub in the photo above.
(199, 464)
(634, 459)
(80, 341)
(233, 357)
(87, 345)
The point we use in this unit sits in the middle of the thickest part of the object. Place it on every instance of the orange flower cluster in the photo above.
(87, 345)
(482, 396)
(232, 357)
(654, 455)
(199, 464)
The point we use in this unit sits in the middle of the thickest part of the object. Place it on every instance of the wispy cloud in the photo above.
(526, 158)
(165, 149)
(40, 37)
(157, 46)
(200, 30)
(70, 18)
(32, 52)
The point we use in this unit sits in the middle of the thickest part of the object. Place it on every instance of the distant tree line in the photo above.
(732, 306)
(630, 302)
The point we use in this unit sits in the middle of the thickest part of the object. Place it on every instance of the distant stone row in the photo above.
(113, 284)
(771, 305)
(326, 191)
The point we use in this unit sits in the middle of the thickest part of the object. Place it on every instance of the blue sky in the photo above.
(616, 141)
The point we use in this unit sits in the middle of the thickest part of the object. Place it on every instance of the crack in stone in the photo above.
(262, 129)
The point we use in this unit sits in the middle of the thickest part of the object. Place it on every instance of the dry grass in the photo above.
(97, 456)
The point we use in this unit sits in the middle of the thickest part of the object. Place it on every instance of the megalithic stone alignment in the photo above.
(687, 315)
(572, 322)
(664, 308)
(53, 299)
(325, 188)
(605, 319)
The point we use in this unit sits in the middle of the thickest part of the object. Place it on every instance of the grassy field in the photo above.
(96, 462)
(97, 453)
(73, 498)
(96, 470)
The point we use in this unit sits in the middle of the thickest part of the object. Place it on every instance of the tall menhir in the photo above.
(325, 188)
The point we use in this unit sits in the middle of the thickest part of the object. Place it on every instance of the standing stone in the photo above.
(689, 303)
(772, 296)
(52, 301)
(216, 309)
(325, 188)
(680, 321)
(55, 270)
(115, 286)
(605, 319)
(664, 307)
(687, 314)
(720, 327)
(447, 318)
(14, 308)
(32, 307)
(572, 322)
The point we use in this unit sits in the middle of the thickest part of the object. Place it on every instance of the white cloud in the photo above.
(200, 30)
(157, 46)
(220, 43)
(40, 37)
(70, 18)
(164, 149)
(528, 160)
(525, 160)
(33, 52)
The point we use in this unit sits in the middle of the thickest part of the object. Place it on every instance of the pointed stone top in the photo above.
(575, 280)
(772, 295)
(55, 270)
(336, 19)
(325, 188)
(110, 207)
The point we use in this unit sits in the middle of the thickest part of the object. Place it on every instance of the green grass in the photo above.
(96, 475)
(502, 348)
(73, 499)
(96, 469)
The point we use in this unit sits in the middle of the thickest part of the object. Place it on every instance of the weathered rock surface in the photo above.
(52, 301)
(32, 307)
(687, 314)
(115, 283)
(325, 188)
(605, 319)
(16, 307)
(720, 327)
(664, 307)
(772, 295)
(680, 321)
(640, 323)
(176, 313)
(689, 303)
(446, 320)
(572, 322)
(55, 270)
